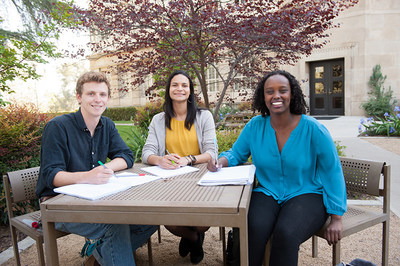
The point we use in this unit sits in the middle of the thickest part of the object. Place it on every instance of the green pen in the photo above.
(105, 167)
(171, 160)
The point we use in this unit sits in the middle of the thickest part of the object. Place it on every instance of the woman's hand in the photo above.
(333, 232)
(170, 161)
(212, 166)
(215, 166)
(183, 161)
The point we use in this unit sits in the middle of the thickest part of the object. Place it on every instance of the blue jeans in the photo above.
(119, 241)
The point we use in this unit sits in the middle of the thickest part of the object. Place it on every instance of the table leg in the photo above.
(50, 243)
(244, 255)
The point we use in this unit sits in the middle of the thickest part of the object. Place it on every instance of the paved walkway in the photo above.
(345, 130)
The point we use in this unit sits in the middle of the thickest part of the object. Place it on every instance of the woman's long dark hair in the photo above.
(298, 104)
(191, 102)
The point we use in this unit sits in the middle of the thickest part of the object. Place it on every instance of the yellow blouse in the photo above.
(181, 141)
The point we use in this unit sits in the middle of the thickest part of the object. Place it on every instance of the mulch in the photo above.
(5, 237)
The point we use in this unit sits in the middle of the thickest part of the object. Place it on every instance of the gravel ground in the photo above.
(366, 245)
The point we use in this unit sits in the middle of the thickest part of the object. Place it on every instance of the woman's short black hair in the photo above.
(298, 104)
(191, 102)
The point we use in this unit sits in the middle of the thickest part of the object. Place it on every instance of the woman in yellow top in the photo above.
(181, 135)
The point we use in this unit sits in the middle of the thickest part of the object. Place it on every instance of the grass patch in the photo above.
(123, 122)
(124, 131)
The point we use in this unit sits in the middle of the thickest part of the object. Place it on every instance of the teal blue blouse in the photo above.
(308, 163)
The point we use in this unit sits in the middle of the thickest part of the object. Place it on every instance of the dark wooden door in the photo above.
(327, 87)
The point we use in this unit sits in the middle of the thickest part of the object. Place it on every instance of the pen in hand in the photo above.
(171, 160)
(106, 167)
(216, 154)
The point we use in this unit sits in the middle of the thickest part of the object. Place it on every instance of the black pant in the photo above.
(290, 224)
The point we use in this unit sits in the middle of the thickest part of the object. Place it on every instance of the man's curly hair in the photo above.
(298, 104)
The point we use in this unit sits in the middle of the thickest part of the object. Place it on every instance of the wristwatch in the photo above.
(192, 158)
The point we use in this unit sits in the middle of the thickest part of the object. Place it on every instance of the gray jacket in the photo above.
(205, 130)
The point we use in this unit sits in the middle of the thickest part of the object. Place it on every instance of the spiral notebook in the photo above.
(235, 175)
(121, 182)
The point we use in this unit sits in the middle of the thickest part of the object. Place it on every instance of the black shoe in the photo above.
(233, 248)
(184, 247)
(196, 251)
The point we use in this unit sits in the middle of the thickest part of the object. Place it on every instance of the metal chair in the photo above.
(363, 176)
(20, 186)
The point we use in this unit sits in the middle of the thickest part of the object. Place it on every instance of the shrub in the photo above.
(140, 129)
(144, 114)
(340, 149)
(389, 125)
(137, 141)
(120, 113)
(21, 128)
(224, 111)
(380, 101)
(245, 106)
(226, 139)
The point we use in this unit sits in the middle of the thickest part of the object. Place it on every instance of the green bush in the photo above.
(137, 140)
(389, 125)
(245, 106)
(21, 128)
(120, 113)
(340, 149)
(226, 139)
(226, 110)
(380, 101)
(144, 114)
(140, 129)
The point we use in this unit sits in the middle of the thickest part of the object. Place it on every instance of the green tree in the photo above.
(381, 100)
(43, 21)
(229, 38)
(66, 100)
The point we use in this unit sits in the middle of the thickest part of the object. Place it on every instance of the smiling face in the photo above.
(179, 89)
(94, 99)
(277, 94)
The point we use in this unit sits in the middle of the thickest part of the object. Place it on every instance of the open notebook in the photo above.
(121, 182)
(165, 173)
(235, 175)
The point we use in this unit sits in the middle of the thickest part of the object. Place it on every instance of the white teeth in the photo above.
(277, 103)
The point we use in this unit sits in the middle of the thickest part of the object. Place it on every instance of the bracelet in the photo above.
(194, 160)
(189, 162)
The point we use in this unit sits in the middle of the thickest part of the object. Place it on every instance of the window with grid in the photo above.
(212, 80)
(148, 82)
(124, 81)
(238, 85)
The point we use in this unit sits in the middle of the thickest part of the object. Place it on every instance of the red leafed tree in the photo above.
(249, 37)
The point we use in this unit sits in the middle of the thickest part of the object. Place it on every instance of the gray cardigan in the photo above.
(205, 130)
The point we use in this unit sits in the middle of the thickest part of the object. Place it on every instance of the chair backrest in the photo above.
(23, 184)
(362, 176)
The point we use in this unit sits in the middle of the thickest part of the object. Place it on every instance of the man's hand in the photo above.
(98, 175)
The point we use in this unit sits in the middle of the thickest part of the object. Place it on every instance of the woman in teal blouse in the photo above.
(300, 179)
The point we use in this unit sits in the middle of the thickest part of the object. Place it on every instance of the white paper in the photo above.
(122, 182)
(132, 179)
(236, 175)
(90, 191)
(164, 173)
